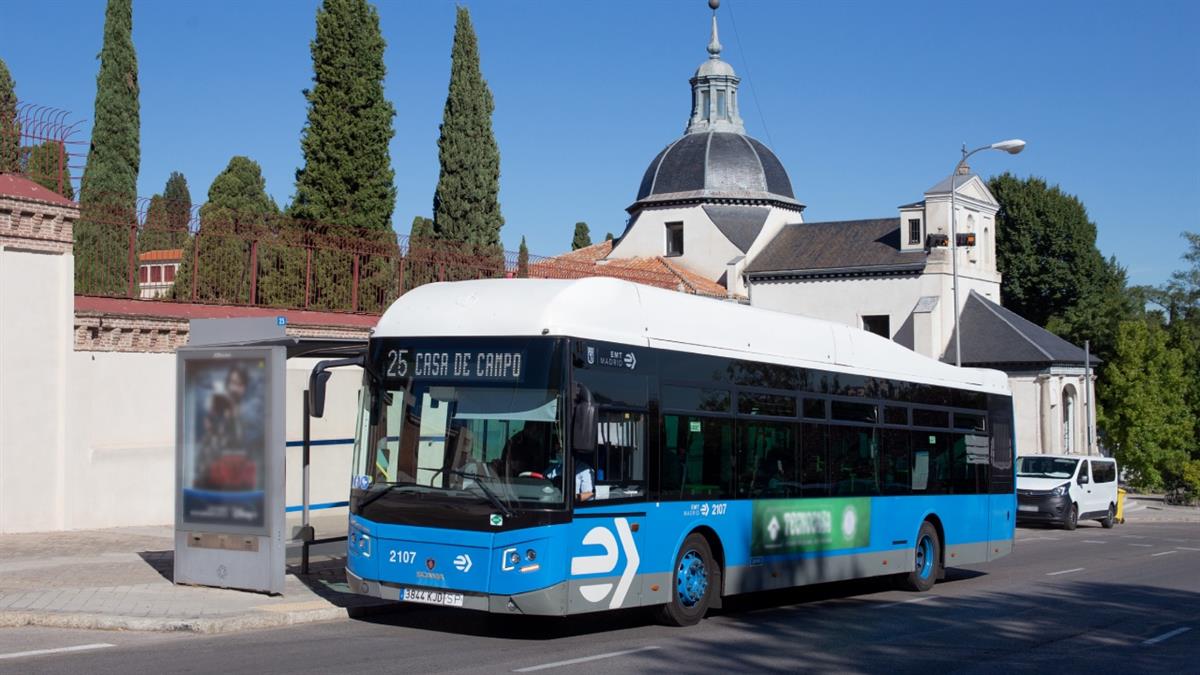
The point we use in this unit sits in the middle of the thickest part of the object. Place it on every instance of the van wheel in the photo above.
(927, 565)
(1072, 519)
(1111, 519)
(692, 585)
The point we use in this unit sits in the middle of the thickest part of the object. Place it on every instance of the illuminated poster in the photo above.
(225, 441)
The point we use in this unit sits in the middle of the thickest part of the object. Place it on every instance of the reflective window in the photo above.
(854, 412)
(930, 418)
(814, 460)
(766, 460)
(853, 460)
(895, 415)
(695, 398)
(814, 408)
(895, 463)
(697, 457)
(766, 404)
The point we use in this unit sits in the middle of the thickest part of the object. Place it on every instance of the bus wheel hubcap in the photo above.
(691, 579)
(925, 557)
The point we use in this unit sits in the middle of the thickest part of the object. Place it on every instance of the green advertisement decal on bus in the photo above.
(801, 525)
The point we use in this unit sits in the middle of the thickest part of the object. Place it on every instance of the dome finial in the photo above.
(714, 45)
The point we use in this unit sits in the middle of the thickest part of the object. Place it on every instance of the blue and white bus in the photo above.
(558, 447)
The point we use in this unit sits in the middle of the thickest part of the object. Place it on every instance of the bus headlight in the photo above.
(514, 558)
(531, 555)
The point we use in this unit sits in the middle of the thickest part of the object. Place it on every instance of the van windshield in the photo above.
(1046, 467)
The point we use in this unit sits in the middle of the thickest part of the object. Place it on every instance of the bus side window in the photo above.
(620, 459)
(853, 458)
(697, 458)
(814, 460)
(895, 470)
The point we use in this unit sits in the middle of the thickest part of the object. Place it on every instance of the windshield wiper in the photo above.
(376, 495)
(495, 500)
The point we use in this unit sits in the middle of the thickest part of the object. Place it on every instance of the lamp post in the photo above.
(1012, 147)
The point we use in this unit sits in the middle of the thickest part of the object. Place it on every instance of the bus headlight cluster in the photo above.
(514, 558)
(531, 555)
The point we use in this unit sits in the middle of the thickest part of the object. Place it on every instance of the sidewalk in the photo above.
(120, 579)
(1151, 509)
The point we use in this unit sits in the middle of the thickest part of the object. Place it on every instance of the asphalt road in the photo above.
(1097, 600)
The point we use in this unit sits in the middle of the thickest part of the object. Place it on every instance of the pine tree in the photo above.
(523, 260)
(582, 238)
(46, 165)
(237, 213)
(167, 217)
(10, 132)
(108, 208)
(466, 205)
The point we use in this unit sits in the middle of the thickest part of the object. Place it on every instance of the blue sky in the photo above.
(866, 103)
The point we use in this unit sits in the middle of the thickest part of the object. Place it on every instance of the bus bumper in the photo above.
(550, 601)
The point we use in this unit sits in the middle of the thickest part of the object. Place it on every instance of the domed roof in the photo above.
(715, 67)
(716, 164)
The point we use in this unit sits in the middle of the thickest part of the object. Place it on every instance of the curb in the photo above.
(257, 620)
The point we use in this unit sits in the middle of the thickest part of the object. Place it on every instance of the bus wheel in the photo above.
(692, 584)
(928, 564)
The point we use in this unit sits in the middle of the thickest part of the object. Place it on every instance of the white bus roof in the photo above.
(613, 310)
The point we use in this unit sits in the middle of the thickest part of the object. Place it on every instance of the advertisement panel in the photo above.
(225, 442)
(807, 525)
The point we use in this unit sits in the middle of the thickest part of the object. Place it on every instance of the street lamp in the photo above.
(1012, 147)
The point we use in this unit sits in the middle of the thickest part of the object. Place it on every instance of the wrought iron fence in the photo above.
(39, 142)
(273, 261)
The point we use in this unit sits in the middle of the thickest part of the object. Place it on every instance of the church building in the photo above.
(716, 204)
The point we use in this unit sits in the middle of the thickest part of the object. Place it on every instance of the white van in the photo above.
(1063, 489)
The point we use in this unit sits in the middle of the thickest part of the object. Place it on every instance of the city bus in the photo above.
(551, 447)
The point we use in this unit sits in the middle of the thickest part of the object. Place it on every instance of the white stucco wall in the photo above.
(36, 305)
(1038, 402)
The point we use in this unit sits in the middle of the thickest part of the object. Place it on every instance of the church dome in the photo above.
(719, 165)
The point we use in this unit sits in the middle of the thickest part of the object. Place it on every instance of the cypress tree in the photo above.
(608, 236)
(422, 229)
(108, 208)
(167, 217)
(347, 174)
(346, 182)
(10, 132)
(582, 238)
(238, 212)
(466, 205)
(46, 166)
(523, 260)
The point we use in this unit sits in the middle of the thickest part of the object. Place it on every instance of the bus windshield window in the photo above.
(494, 443)
(1046, 467)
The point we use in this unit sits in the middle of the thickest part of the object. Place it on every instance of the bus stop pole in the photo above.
(304, 528)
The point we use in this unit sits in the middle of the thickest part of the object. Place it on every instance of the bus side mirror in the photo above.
(583, 420)
(316, 392)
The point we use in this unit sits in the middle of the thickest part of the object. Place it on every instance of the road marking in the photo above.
(1093, 541)
(1133, 536)
(1187, 548)
(1073, 569)
(1166, 636)
(60, 650)
(1039, 539)
(1143, 545)
(923, 598)
(1152, 555)
(585, 659)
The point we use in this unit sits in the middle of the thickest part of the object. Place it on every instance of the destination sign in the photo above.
(494, 366)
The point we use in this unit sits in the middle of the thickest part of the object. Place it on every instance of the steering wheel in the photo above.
(531, 474)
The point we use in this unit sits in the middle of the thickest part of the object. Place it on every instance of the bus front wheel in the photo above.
(692, 583)
(927, 565)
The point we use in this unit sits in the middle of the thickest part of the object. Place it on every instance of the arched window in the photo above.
(1068, 419)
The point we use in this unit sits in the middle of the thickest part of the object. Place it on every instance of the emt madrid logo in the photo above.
(797, 526)
(606, 562)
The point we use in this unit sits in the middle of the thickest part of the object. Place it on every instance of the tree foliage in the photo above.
(167, 217)
(1150, 428)
(1045, 248)
(46, 165)
(523, 260)
(108, 206)
(466, 206)
(347, 174)
(10, 132)
(582, 238)
(238, 212)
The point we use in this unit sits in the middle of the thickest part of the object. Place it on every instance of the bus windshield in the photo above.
(1046, 467)
(491, 441)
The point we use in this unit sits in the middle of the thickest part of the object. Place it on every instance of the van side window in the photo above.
(1083, 472)
(1104, 472)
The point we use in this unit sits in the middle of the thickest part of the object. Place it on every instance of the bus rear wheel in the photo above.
(927, 565)
(692, 583)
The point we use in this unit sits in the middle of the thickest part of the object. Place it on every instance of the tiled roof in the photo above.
(841, 246)
(995, 336)
(12, 185)
(652, 271)
(168, 254)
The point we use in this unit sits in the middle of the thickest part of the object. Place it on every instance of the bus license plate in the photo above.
(433, 597)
